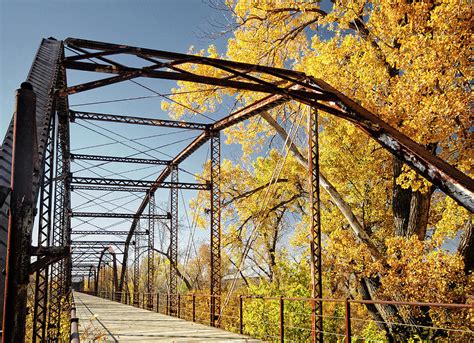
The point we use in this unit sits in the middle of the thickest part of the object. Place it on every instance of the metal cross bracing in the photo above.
(104, 232)
(117, 159)
(137, 120)
(40, 308)
(60, 272)
(118, 215)
(315, 227)
(136, 183)
(53, 159)
(136, 266)
(215, 214)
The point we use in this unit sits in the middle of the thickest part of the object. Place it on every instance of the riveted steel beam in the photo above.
(113, 118)
(104, 232)
(118, 215)
(135, 183)
(118, 159)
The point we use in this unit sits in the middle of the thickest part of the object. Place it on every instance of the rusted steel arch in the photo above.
(111, 251)
(453, 182)
(291, 85)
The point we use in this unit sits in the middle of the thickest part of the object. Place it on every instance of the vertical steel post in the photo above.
(158, 302)
(151, 251)
(315, 234)
(179, 305)
(136, 267)
(173, 250)
(20, 219)
(282, 320)
(241, 314)
(215, 282)
(61, 233)
(44, 232)
(194, 307)
(348, 320)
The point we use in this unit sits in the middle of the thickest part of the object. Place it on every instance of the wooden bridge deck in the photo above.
(102, 320)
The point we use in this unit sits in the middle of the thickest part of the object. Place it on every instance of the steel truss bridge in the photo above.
(36, 180)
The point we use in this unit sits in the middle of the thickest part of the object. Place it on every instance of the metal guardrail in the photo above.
(75, 338)
(192, 307)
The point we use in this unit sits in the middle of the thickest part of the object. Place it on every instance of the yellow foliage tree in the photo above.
(407, 61)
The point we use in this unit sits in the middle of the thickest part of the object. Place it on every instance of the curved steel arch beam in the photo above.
(114, 262)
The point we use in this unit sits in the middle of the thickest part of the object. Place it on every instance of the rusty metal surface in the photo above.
(118, 159)
(150, 253)
(137, 183)
(315, 227)
(79, 115)
(173, 247)
(21, 216)
(111, 251)
(450, 180)
(42, 76)
(312, 92)
(215, 237)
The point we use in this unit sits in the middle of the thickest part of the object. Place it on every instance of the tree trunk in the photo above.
(358, 229)
(363, 290)
(466, 247)
(410, 209)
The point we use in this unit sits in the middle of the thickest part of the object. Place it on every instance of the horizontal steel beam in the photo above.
(95, 243)
(137, 183)
(109, 189)
(118, 159)
(74, 115)
(119, 215)
(103, 232)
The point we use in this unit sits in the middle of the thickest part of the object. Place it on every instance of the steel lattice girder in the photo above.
(137, 120)
(151, 251)
(118, 159)
(315, 224)
(60, 272)
(93, 243)
(118, 215)
(104, 232)
(215, 239)
(136, 183)
(40, 304)
(136, 266)
(109, 189)
(173, 248)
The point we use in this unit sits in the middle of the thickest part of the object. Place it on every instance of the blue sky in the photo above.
(164, 25)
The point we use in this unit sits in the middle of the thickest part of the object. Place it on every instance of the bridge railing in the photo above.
(288, 319)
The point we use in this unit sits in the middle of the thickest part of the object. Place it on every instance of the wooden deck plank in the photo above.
(102, 320)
